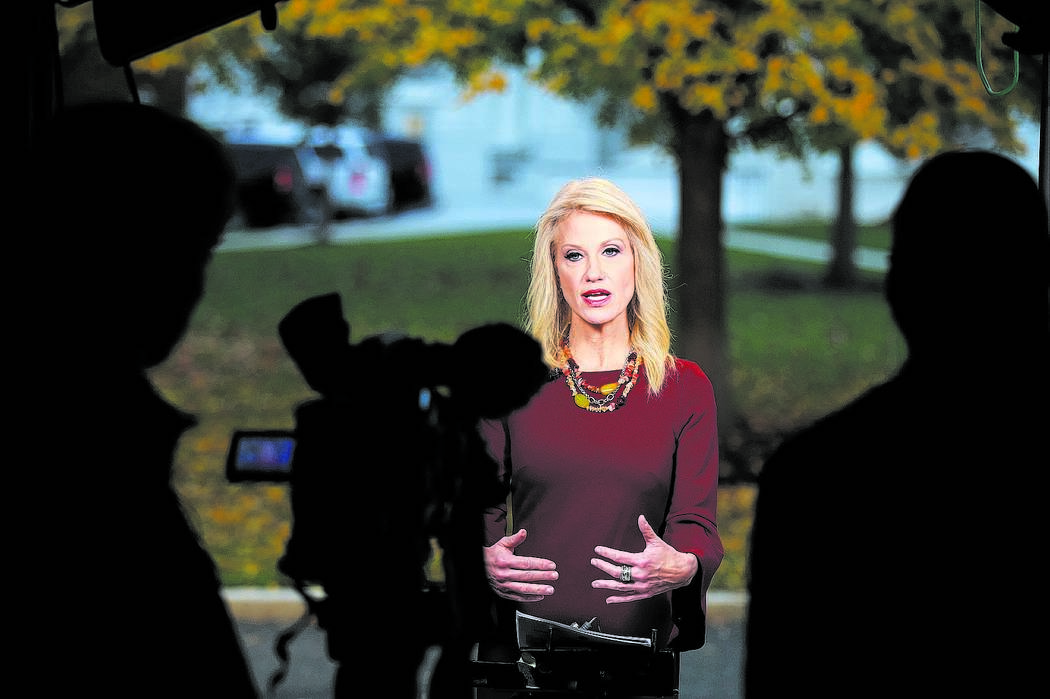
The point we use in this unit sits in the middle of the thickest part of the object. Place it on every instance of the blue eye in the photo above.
(573, 256)
(611, 251)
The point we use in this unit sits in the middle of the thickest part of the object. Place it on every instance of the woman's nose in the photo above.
(594, 270)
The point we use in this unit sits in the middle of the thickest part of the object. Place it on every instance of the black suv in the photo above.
(272, 188)
(409, 170)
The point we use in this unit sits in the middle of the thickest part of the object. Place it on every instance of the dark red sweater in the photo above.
(581, 479)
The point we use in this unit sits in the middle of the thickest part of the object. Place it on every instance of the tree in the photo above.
(937, 80)
(700, 78)
(696, 76)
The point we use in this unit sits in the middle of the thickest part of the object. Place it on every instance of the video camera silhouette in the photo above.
(383, 465)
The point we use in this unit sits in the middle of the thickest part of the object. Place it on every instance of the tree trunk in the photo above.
(699, 287)
(842, 271)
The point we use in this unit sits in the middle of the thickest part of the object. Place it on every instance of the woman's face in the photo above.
(595, 265)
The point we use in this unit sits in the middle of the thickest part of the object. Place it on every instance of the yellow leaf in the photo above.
(537, 29)
(644, 98)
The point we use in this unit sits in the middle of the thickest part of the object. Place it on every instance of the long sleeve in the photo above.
(691, 522)
(580, 480)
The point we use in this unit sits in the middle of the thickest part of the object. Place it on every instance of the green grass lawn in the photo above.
(797, 351)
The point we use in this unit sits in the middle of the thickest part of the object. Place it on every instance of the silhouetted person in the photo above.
(125, 600)
(897, 543)
(363, 520)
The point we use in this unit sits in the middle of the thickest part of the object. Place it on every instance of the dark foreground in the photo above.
(712, 672)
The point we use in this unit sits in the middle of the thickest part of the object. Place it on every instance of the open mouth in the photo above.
(596, 297)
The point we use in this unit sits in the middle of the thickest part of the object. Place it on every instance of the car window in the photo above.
(329, 151)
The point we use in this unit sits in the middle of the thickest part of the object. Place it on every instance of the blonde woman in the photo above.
(614, 462)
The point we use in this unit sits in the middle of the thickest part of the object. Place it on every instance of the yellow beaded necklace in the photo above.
(613, 395)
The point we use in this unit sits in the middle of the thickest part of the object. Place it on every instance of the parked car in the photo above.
(272, 186)
(345, 162)
(289, 173)
(409, 170)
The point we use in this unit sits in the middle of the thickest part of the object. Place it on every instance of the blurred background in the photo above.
(488, 116)
(399, 152)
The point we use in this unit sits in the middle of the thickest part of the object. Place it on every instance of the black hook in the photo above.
(268, 15)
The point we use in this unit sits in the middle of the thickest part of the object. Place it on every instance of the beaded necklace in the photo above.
(613, 395)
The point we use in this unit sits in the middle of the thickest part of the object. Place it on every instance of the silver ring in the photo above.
(625, 574)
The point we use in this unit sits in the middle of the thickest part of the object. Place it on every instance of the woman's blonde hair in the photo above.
(548, 315)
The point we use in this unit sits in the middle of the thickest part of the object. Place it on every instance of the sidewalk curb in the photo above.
(258, 604)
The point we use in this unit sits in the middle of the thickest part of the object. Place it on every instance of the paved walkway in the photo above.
(441, 220)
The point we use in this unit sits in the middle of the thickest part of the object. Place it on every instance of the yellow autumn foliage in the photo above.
(486, 82)
(835, 33)
(649, 47)
(644, 98)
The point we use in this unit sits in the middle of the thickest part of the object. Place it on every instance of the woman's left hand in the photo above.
(658, 569)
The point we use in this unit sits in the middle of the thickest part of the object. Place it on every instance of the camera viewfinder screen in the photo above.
(260, 456)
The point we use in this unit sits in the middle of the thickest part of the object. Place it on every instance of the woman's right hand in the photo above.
(518, 578)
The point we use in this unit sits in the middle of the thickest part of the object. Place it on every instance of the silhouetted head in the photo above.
(133, 200)
(969, 260)
(472, 384)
